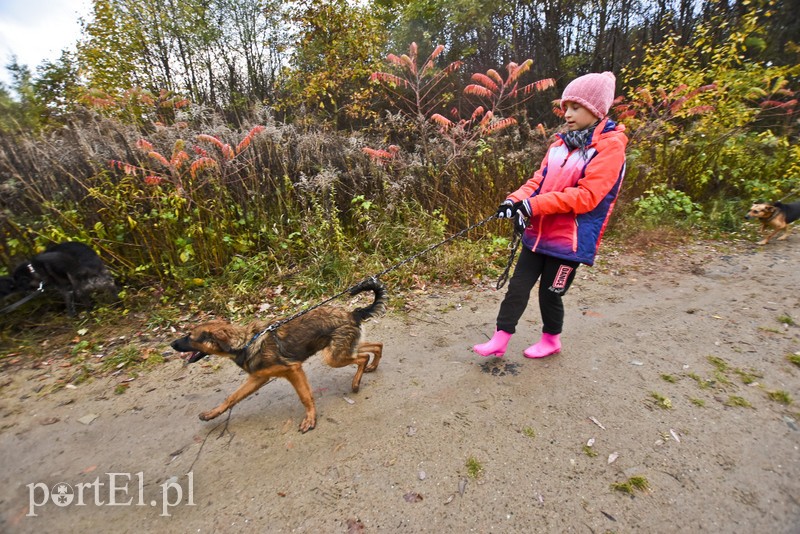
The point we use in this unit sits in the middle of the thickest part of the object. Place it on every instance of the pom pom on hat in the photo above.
(594, 91)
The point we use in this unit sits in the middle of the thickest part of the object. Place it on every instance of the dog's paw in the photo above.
(308, 424)
(207, 416)
(762, 242)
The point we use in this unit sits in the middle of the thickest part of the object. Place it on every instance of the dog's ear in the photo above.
(220, 336)
(224, 345)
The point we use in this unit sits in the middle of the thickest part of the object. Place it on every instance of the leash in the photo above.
(790, 193)
(515, 243)
(15, 305)
(272, 327)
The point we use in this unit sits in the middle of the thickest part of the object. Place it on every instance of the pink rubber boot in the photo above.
(547, 346)
(495, 346)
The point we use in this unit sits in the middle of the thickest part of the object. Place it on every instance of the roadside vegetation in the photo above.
(311, 180)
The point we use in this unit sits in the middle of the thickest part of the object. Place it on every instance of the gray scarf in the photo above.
(579, 138)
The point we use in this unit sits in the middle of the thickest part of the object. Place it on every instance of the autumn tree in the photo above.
(337, 46)
(110, 52)
(715, 117)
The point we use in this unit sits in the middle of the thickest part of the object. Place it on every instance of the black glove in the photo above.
(507, 209)
(522, 216)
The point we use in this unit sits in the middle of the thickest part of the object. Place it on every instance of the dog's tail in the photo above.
(378, 306)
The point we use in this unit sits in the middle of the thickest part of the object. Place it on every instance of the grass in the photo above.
(163, 317)
(528, 432)
(127, 356)
(702, 382)
(669, 378)
(769, 330)
(721, 378)
(780, 396)
(794, 358)
(81, 346)
(737, 402)
(130, 357)
(661, 401)
(786, 319)
(718, 363)
(698, 402)
(474, 468)
(748, 377)
(633, 483)
(589, 451)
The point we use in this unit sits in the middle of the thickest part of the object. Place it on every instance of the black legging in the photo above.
(556, 277)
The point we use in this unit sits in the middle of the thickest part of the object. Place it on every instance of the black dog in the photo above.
(73, 269)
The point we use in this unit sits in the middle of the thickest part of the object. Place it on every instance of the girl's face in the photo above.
(577, 117)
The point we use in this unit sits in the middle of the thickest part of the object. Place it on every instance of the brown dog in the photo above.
(266, 354)
(777, 215)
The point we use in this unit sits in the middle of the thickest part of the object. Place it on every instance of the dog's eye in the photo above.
(203, 337)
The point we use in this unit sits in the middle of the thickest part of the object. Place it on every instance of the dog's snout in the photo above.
(178, 344)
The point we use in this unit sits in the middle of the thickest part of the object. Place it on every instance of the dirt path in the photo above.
(441, 440)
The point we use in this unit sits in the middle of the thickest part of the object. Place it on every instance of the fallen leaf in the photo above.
(412, 497)
(611, 517)
(88, 418)
(595, 421)
(89, 469)
(349, 400)
(613, 457)
(49, 421)
(462, 486)
(450, 498)
(674, 435)
(354, 526)
(590, 443)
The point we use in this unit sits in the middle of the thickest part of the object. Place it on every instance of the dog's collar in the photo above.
(241, 357)
(35, 274)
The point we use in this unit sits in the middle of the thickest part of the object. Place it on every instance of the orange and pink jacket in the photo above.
(572, 195)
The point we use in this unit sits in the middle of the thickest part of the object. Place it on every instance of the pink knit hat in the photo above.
(594, 91)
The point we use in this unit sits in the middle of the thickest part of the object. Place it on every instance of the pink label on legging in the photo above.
(560, 281)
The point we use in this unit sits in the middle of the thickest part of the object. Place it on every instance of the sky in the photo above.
(37, 30)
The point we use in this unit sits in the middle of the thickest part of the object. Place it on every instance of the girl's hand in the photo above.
(507, 209)
(522, 216)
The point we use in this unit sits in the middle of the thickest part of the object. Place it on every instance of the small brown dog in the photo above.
(265, 354)
(777, 215)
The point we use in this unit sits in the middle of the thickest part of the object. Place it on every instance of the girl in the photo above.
(563, 210)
